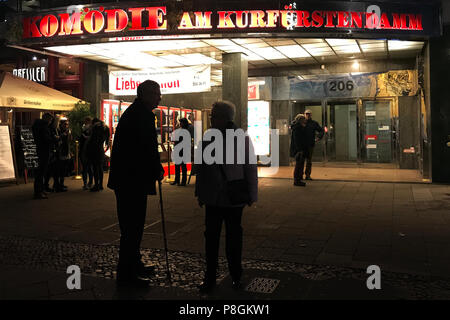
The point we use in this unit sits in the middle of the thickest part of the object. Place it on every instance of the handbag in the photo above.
(237, 190)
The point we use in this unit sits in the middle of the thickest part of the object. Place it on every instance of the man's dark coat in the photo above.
(135, 163)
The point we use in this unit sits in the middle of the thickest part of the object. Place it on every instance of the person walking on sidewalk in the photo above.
(225, 189)
(311, 128)
(96, 152)
(299, 148)
(184, 124)
(43, 140)
(135, 168)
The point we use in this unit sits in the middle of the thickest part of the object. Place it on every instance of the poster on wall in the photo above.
(124, 106)
(253, 91)
(7, 171)
(110, 109)
(176, 80)
(259, 126)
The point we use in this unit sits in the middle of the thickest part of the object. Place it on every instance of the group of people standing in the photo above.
(223, 189)
(53, 139)
(303, 140)
(52, 136)
(94, 136)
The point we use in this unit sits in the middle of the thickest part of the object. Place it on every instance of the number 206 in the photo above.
(341, 85)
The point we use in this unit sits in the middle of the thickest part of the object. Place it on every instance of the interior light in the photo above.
(355, 65)
(293, 51)
(270, 53)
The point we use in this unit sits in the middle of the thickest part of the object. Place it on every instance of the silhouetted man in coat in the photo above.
(43, 140)
(135, 168)
(311, 128)
(299, 148)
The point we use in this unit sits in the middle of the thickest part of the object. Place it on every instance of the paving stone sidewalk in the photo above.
(35, 269)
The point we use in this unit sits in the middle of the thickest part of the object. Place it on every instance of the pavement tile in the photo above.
(266, 253)
(349, 289)
(35, 291)
(278, 242)
(297, 258)
(338, 259)
(346, 248)
(439, 268)
(304, 250)
(372, 253)
(408, 267)
(75, 295)
(319, 231)
(438, 251)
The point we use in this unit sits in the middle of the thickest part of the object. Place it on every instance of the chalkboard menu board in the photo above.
(7, 171)
(28, 148)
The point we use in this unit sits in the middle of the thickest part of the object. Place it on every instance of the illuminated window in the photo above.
(68, 67)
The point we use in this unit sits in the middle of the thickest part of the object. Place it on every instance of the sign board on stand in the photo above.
(29, 148)
(7, 166)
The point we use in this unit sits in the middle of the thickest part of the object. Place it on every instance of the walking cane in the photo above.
(164, 230)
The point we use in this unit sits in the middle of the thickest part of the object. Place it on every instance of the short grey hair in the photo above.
(225, 109)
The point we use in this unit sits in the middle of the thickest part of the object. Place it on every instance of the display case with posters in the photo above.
(124, 106)
(108, 108)
(114, 119)
(162, 130)
(188, 114)
(259, 126)
(174, 122)
(158, 124)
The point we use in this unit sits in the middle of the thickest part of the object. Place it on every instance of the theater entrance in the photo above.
(357, 132)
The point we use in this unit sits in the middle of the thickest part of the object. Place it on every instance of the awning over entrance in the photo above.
(16, 92)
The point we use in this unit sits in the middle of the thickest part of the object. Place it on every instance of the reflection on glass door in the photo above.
(377, 130)
(342, 136)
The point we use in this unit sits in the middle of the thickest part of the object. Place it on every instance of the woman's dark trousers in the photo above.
(233, 243)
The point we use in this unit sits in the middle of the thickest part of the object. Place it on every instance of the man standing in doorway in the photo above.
(311, 128)
(135, 168)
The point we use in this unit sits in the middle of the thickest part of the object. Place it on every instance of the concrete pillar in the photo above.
(235, 85)
(95, 83)
(440, 112)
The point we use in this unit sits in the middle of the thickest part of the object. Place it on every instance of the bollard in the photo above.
(77, 175)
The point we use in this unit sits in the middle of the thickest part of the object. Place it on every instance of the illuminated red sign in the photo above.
(371, 137)
(94, 21)
(101, 20)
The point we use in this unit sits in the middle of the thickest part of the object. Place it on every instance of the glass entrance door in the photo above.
(342, 135)
(377, 132)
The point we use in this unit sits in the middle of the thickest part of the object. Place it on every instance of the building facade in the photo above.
(372, 73)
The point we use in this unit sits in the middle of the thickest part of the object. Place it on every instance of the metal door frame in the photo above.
(333, 101)
(394, 126)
